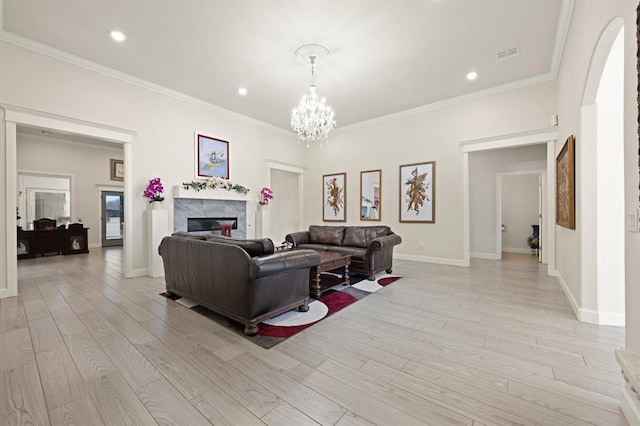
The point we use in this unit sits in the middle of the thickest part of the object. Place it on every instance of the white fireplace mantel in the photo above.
(210, 194)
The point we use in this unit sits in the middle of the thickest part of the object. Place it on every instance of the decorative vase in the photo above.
(534, 239)
(157, 205)
(225, 227)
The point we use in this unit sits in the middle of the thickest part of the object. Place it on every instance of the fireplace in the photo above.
(202, 215)
(195, 224)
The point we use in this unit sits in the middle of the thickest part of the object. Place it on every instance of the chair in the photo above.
(44, 223)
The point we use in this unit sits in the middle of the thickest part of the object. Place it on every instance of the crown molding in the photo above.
(562, 32)
(127, 78)
(542, 78)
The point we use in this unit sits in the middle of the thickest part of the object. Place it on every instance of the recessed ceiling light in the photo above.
(243, 91)
(472, 75)
(118, 36)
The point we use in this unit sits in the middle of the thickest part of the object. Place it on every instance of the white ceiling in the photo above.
(386, 56)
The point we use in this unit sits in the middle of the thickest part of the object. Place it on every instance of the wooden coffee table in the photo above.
(328, 262)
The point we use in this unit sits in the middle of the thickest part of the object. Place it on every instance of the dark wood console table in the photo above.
(61, 241)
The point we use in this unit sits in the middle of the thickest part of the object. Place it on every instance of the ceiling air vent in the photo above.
(507, 53)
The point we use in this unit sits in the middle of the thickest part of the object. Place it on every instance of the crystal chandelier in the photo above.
(312, 119)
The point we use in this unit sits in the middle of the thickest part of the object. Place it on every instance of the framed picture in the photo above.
(565, 185)
(334, 200)
(212, 157)
(117, 170)
(418, 192)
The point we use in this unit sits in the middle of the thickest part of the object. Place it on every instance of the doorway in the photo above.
(601, 205)
(286, 207)
(112, 218)
(17, 116)
(521, 204)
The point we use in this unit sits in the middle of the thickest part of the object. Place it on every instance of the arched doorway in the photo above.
(600, 152)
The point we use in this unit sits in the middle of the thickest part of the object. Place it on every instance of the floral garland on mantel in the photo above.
(214, 183)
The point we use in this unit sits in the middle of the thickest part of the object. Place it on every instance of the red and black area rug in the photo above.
(277, 329)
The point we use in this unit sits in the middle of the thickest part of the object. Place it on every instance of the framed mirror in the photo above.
(371, 195)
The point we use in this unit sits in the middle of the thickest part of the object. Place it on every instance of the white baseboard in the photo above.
(429, 259)
(612, 318)
(488, 256)
(516, 250)
(137, 273)
(567, 292)
(588, 315)
(5, 292)
(95, 245)
(629, 406)
(602, 318)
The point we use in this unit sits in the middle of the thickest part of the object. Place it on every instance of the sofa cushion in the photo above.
(361, 236)
(354, 252)
(316, 247)
(258, 247)
(189, 235)
(331, 235)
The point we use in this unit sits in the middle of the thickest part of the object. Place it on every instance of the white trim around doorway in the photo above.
(546, 136)
(14, 116)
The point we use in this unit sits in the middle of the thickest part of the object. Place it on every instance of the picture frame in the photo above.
(211, 157)
(117, 170)
(565, 185)
(418, 192)
(334, 199)
(371, 195)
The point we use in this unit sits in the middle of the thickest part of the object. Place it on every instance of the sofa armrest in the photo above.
(382, 242)
(297, 238)
(279, 263)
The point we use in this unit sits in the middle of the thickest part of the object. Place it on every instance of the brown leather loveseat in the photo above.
(370, 247)
(240, 279)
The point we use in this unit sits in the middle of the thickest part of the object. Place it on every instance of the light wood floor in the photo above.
(492, 344)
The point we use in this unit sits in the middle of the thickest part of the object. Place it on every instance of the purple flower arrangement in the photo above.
(154, 190)
(266, 194)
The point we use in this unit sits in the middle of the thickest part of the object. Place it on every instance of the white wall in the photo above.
(164, 126)
(483, 168)
(519, 211)
(428, 136)
(590, 18)
(88, 164)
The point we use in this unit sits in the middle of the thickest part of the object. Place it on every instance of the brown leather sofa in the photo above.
(370, 247)
(240, 279)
